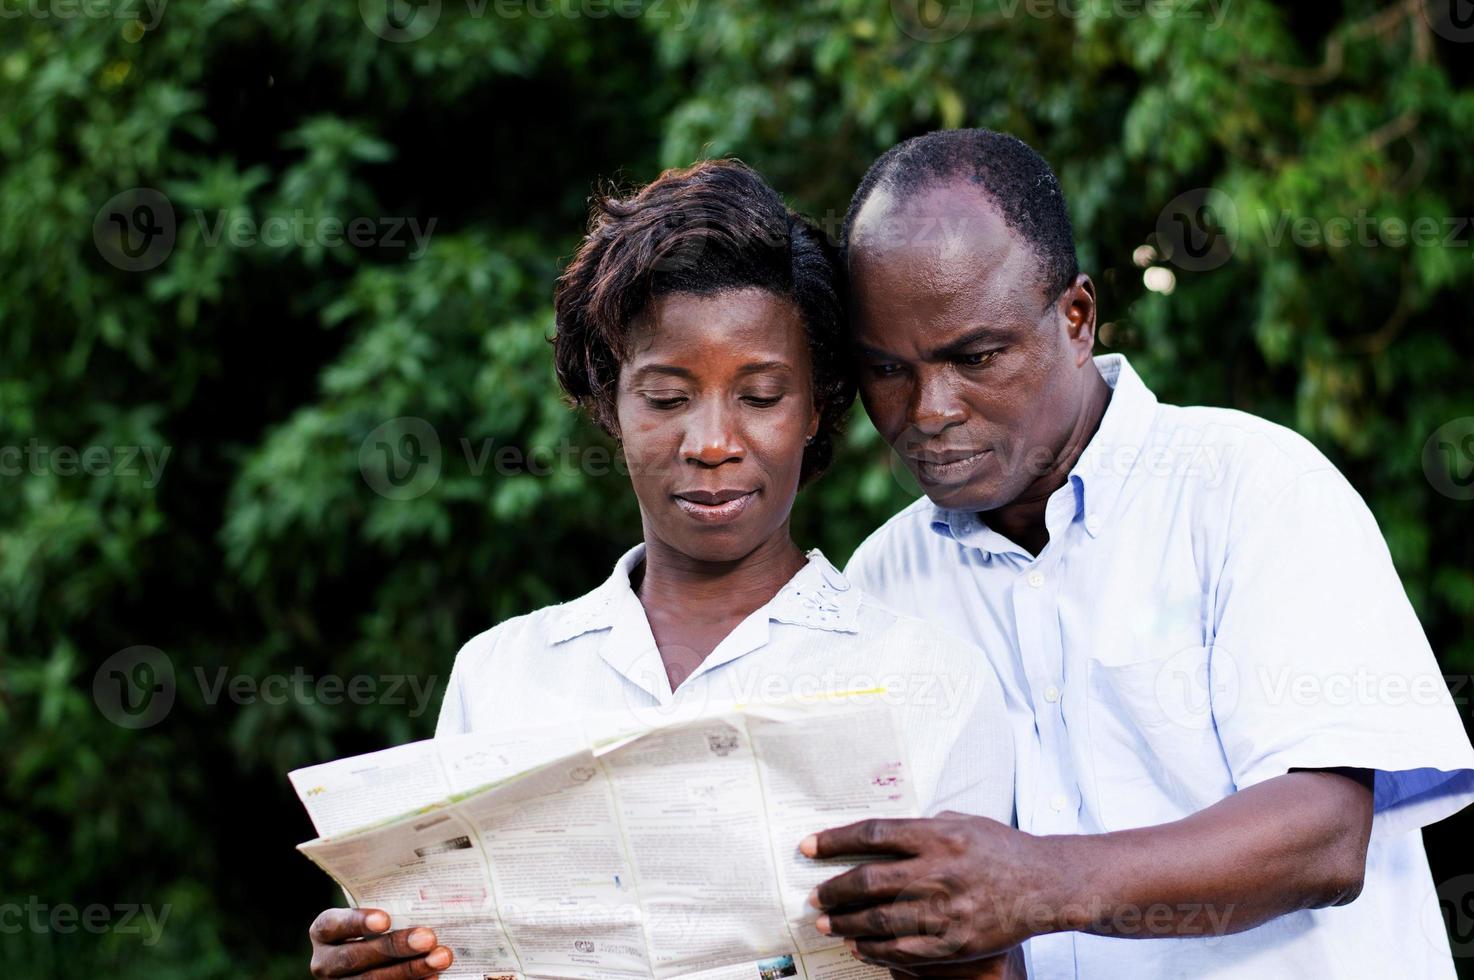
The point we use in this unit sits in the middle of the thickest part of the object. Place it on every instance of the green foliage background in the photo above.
(262, 368)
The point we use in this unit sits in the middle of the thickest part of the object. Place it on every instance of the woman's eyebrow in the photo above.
(755, 367)
(760, 366)
(650, 369)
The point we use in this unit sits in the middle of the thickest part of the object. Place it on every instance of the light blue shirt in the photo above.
(1215, 607)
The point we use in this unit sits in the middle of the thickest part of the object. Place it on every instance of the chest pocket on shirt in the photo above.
(1152, 715)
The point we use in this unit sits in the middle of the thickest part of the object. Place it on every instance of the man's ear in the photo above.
(1079, 308)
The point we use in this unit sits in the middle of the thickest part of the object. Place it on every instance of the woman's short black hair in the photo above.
(703, 230)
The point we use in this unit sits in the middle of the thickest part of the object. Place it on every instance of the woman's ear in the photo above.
(813, 429)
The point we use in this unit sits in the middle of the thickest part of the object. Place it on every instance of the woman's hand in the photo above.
(357, 943)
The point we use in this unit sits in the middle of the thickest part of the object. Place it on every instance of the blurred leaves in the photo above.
(260, 544)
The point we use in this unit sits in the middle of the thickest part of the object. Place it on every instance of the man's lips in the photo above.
(947, 467)
(715, 506)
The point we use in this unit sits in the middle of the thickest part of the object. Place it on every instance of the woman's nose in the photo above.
(712, 437)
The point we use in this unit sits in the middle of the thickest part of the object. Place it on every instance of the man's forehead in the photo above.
(947, 241)
(941, 216)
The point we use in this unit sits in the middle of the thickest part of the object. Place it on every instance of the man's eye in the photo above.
(885, 370)
(977, 360)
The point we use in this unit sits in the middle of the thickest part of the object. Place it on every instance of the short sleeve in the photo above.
(1319, 661)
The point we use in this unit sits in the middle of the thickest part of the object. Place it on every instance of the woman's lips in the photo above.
(716, 513)
(952, 472)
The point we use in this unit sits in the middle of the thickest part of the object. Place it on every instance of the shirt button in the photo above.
(1051, 694)
(1059, 802)
(1093, 523)
(1036, 579)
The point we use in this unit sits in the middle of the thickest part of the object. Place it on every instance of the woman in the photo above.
(701, 325)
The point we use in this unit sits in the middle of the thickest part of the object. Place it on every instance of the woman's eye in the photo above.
(670, 402)
(763, 401)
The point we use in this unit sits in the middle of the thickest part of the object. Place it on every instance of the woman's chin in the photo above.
(717, 542)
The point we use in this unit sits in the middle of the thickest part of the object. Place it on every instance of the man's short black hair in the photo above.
(1006, 168)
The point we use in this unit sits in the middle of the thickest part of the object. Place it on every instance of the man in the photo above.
(1230, 723)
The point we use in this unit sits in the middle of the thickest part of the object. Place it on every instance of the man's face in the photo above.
(967, 368)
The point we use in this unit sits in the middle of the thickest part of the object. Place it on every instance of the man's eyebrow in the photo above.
(951, 349)
(969, 340)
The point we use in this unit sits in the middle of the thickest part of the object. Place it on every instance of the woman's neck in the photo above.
(692, 605)
(670, 580)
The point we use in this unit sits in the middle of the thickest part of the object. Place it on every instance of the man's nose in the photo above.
(934, 405)
(712, 437)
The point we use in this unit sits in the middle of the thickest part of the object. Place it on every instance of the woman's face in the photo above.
(715, 405)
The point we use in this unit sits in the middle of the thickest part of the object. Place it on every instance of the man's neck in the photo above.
(1022, 520)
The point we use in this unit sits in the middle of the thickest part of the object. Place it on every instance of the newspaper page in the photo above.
(592, 853)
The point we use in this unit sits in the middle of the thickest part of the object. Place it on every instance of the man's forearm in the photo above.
(1295, 842)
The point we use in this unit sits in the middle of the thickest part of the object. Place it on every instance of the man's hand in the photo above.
(357, 943)
(1010, 966)
(963, 888)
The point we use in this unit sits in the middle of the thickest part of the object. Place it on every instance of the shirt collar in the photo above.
(818, 596)
(1095, 481)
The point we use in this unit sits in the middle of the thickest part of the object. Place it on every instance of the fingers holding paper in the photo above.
(358, 943)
